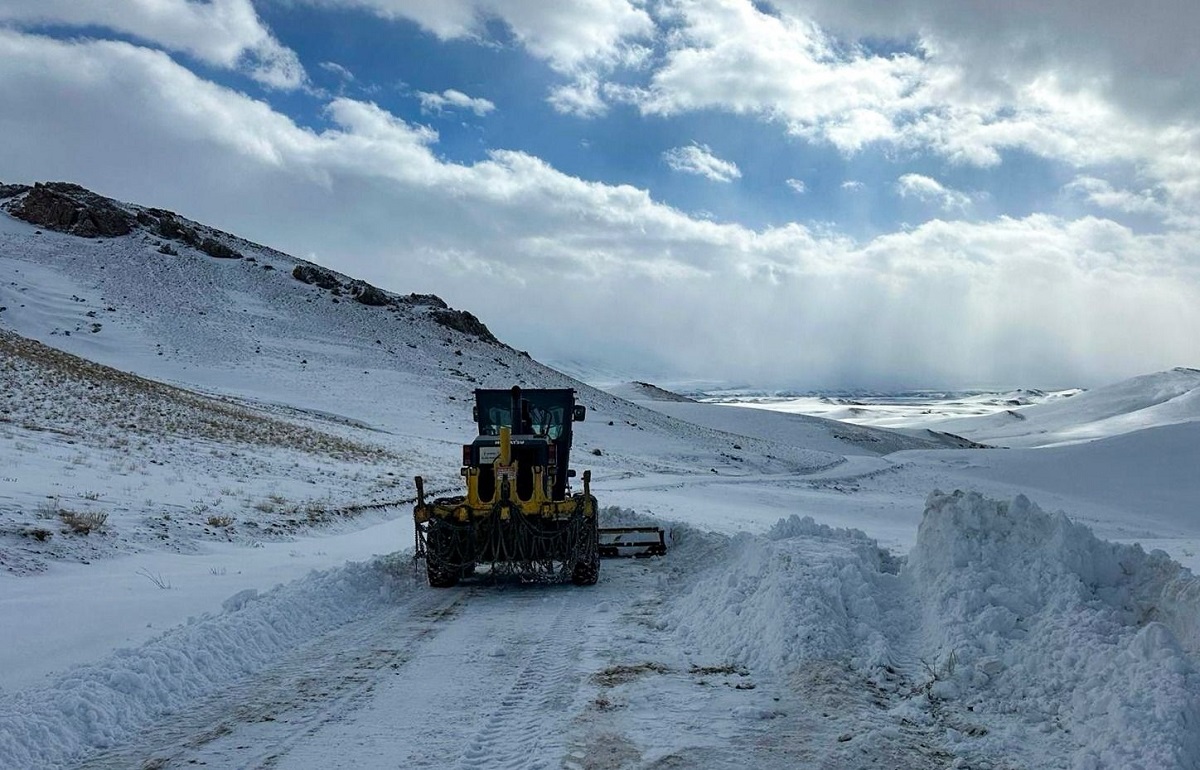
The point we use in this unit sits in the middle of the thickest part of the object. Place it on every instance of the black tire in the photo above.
(439, 559)
(586, 572)
(439, 578)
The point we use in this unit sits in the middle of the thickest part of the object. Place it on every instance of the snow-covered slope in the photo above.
(1162, 398)
(249, 328)
(801, 430)
(1149, 473)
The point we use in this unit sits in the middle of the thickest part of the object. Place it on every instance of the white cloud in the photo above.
(224, 33)
(797, 186)
(1142, 55)
(781, 67)
(569, 34)
(581, 97)
(451, 99)
(853, 185)
(725, 54)
(1101, 193)
(581, 39)
(930, 190)
(698, 159)
(1066, 300)
(338, 71)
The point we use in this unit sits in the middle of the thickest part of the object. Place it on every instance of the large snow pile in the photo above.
(806, 591)
(98, 705)
(1008, 633)
(1093, 638)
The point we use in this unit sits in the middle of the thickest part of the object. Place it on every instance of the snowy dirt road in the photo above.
(509, 675)
(532, 676)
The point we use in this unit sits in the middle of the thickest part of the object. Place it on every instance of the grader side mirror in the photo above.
(579, 412)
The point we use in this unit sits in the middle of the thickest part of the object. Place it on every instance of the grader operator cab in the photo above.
(519, 515)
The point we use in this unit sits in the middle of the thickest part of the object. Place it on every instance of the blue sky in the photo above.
(801, 193)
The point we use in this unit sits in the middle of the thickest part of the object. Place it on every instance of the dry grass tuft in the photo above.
(83, 523)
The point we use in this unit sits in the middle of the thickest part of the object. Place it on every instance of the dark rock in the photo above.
(215, 248)
(461, 320)
(12, 190)
(170, 227)
(168, 249)
(427, 300)
(316, 276)
(369, 295)
(69, 208)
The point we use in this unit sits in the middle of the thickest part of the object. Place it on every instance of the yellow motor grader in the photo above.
(519, 515)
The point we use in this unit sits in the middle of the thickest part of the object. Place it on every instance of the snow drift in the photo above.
(1005, 618)
(1093, 638)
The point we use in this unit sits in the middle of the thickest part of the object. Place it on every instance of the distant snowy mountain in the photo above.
(1148, 401)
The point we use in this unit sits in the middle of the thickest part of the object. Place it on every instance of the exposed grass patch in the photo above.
(73, 393)
(83, 523)
(621, 674)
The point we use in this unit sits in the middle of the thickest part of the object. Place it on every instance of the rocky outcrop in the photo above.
(461, 320)
(369, 295)
(11, 190)
(425, 300)
(69, 208)
(316, 276)
(169, 227)
(214, 248)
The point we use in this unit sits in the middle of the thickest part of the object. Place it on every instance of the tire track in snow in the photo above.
(253, 722)
(516, 735)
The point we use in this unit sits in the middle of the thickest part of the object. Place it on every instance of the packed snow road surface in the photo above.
(508, 675)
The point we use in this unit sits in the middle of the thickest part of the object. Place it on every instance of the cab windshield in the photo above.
(544, 413)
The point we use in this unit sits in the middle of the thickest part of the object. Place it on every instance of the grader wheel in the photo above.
(440, 561)
(586, 573)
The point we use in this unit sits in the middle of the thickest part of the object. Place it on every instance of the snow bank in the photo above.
(1040, 617)
(1018, 634)
(98, 705)
(804, 592)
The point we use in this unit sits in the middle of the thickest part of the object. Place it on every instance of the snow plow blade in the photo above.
(632, 541)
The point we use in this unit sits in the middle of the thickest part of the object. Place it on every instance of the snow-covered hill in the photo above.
(805, 431)
(645, 391)
(1148, 401)
(206, 451)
